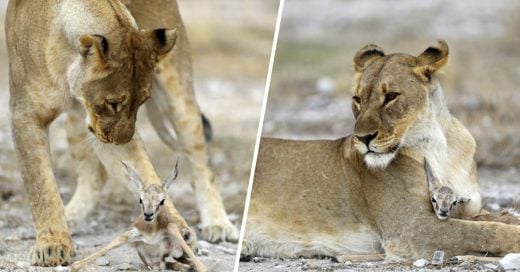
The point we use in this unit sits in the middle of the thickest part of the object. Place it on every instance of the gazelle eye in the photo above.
(162, 202)
(140, 200)
(433, 200)
(356, 99)
(454, 203)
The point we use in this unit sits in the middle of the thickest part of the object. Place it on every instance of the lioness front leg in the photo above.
(90, 173)
(135, 155)
(183, 113)
(53, 242)
(454, 237)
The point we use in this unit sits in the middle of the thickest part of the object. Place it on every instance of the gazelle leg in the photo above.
(144, 259)
(117, 242)
(176, 233)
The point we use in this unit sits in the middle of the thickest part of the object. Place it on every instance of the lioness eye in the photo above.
(433, 200)
(140, 200)
(113, 105)
(162, 202)
(357, 99)
(390, 96)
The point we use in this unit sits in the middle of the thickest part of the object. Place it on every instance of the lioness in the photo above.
(98, 61)
(365, 193)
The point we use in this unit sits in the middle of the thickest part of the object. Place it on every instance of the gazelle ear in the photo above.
(134, 176)
(172, 176)
(462, 200)
(429, 175)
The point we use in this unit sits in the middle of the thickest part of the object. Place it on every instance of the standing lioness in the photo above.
(365, 193)
(98, 61)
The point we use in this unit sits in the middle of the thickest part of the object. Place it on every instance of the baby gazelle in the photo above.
(154, 234)
(444, 201)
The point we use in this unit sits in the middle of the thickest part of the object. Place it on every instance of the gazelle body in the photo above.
(445, 202)
(154, 234)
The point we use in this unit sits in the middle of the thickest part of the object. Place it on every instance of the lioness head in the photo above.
(112, 78)
(390, 96)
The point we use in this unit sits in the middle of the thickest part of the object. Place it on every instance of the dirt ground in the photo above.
(310, 95)
(231, 53)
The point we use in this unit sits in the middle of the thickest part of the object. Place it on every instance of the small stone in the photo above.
(438, 258)
(490, 266)
(420, 263)
(126, 267)
(347, 263)
(12, 238)
(2, 224)
(203, 244)
(102, 261)
(203, 252)
(258, 259)
(60, 268)
(510, 262)
(22, 264)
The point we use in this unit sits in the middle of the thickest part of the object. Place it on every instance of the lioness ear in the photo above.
(366, 55)
(94, 47)
(162, 40)
(432, 59)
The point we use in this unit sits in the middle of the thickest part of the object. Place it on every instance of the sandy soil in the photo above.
(312, 77)
(231, 52)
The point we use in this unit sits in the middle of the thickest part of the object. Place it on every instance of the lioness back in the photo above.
(288, 177)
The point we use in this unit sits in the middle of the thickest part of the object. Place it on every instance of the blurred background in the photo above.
(231, 43)
(310, 94)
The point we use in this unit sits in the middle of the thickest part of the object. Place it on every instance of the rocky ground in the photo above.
(231, 53)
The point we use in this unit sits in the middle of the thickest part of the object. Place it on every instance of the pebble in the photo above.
(203, 244)
(22, 264)
(2, 224)
(438, 258)
(203, 252)
(510, 262)
(420, 263)
(258, 259)
(60, 268)
(12, 238)
(126, 267)
(102, 261)
(490, 266)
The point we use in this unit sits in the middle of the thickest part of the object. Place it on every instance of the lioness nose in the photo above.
(367, 138)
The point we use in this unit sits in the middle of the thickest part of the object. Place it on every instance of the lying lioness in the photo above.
(365, 193)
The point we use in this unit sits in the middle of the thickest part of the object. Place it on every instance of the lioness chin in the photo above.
(366, 193)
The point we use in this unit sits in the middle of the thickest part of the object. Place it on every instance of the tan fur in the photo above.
(332, 198)
(96, 61)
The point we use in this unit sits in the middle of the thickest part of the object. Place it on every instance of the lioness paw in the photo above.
(220, 231)
(51, 253)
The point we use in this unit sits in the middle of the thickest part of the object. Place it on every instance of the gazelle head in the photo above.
(152, 196)
(443, 198)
